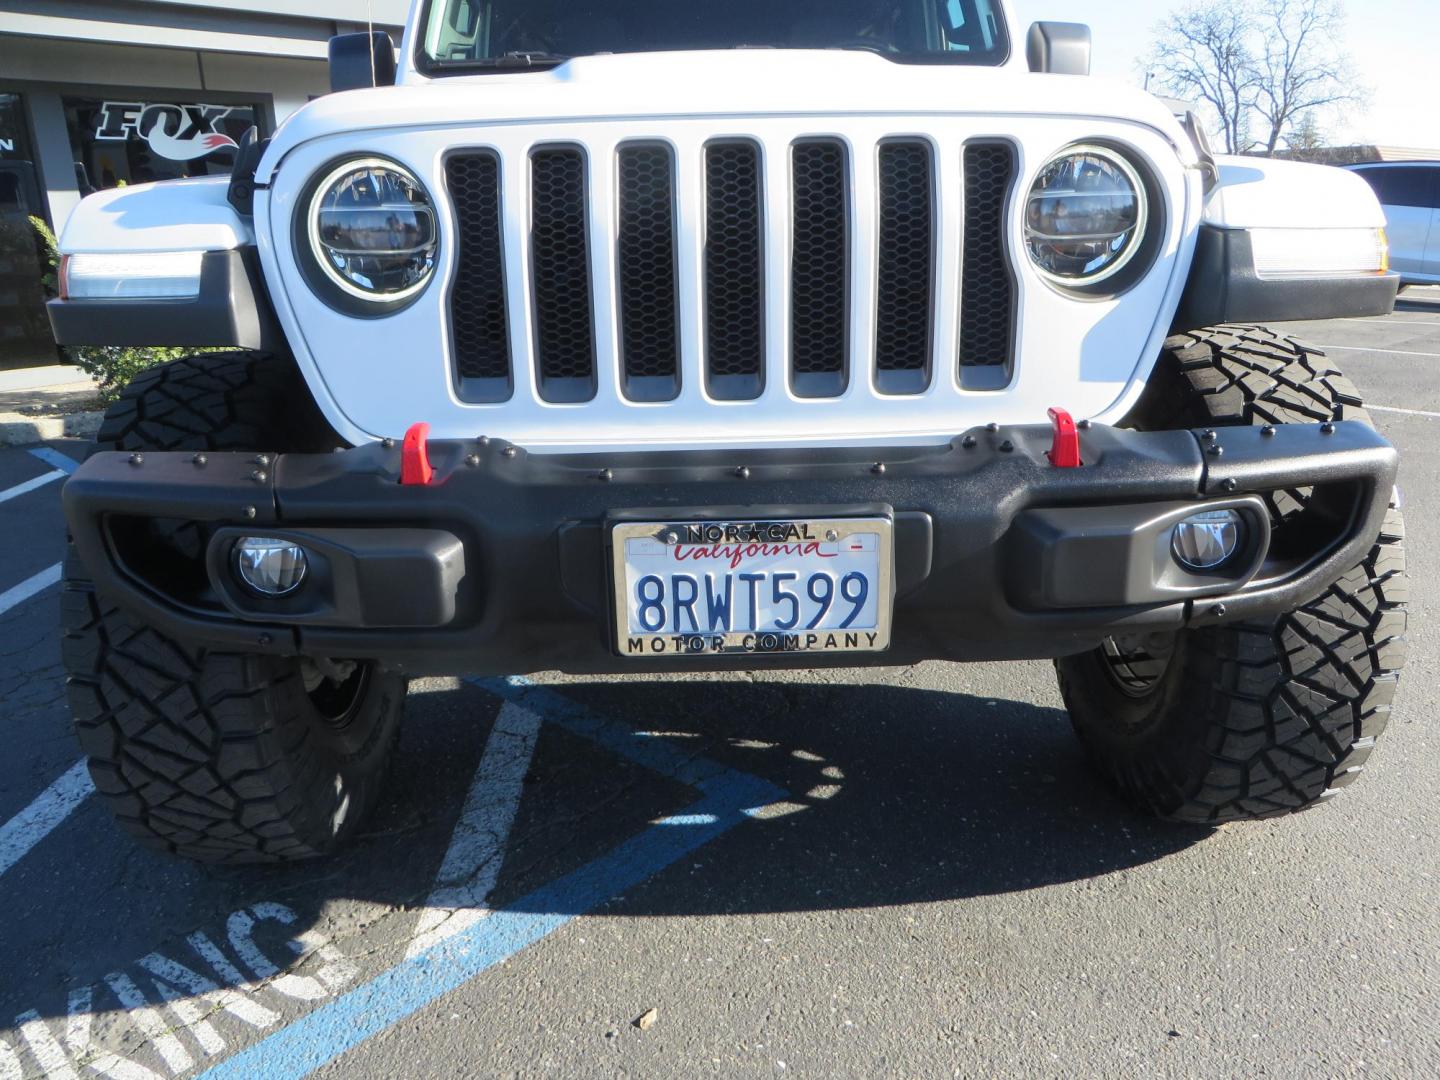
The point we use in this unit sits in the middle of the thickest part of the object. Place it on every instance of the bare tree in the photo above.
(1302, 69)
(1306, 135)
(1265, 65)
(1203, 53)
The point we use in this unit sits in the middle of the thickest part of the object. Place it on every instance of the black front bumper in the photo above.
(500, 565)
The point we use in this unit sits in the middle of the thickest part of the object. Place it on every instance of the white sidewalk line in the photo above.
(1382, 352)
(28, 588)
(477, 846)
(30, 485)
(1403, 412)
(39, 819)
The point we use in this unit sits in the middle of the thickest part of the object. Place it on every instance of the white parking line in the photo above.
(39, 819)
(1382, 352)
(29, 587)
(30, 485)
(477, 846)
(1392, 320)
(1404, 412)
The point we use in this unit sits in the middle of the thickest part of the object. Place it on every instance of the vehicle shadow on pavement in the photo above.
(897, 795)
(889, 796)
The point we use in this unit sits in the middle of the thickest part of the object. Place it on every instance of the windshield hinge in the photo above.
(241, 193)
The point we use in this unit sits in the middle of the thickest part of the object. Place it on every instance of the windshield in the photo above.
(470, 34)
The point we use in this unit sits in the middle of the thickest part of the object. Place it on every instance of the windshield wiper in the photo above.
(516, 59)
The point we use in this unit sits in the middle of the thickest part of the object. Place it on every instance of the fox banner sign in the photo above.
(177, 132)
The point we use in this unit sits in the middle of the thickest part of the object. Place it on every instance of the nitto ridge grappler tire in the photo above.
(221, 757)
(1252, 719)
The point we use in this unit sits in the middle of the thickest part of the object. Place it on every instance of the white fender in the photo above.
(173, 215)
(1263, 193)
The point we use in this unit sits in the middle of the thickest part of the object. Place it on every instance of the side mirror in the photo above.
(1057, 48)
(358, 61)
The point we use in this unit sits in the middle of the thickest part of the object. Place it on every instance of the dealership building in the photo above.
(99, 93)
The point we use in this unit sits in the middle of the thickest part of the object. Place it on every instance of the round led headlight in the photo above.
(372, 230)
(1086, 216)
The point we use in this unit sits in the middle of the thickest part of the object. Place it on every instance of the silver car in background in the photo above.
(1410, 193)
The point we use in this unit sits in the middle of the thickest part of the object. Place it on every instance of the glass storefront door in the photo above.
(24, 329)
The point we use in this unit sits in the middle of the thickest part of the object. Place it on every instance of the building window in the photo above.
(121, 141)
(14, 132)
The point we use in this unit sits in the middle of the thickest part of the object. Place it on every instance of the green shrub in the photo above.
(111, 366)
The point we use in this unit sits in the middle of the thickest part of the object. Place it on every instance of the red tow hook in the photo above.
(415, 456)
(1065, 449)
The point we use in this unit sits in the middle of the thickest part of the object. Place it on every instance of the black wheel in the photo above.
(221, 757)
(218, 401)
(1252, 719)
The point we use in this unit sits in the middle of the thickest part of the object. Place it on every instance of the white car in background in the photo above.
(1410, 194)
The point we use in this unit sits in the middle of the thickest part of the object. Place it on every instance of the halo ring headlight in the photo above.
(372, 231)
(1087, 216)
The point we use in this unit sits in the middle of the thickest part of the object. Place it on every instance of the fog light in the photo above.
(269, 566)
(1203, 541)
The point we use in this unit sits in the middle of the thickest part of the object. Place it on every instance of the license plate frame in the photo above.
(758, 642)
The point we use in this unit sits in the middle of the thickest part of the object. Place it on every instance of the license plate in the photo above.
(705, 587)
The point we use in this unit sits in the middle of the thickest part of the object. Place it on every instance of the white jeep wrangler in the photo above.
(645, 337)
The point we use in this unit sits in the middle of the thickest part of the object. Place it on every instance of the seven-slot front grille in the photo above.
(841, 265)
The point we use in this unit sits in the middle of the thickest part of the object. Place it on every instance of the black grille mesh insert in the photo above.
(819, 260)
(561, 265)
(907, 232)
(477, 295)
(734, 323)
(987, 290)
(646, 256)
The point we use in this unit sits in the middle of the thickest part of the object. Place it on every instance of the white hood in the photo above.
(742, 83)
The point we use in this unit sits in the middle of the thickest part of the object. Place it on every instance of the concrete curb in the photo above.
(17, 429)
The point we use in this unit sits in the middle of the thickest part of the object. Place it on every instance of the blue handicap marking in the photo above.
(727, 797)
(54, 458)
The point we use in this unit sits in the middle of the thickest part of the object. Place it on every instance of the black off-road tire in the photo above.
(217, 401)
(221, 757)
(1262, 718)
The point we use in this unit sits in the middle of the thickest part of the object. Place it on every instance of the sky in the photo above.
(1392, 44)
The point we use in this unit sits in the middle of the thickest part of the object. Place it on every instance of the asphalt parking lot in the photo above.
(858, 873)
